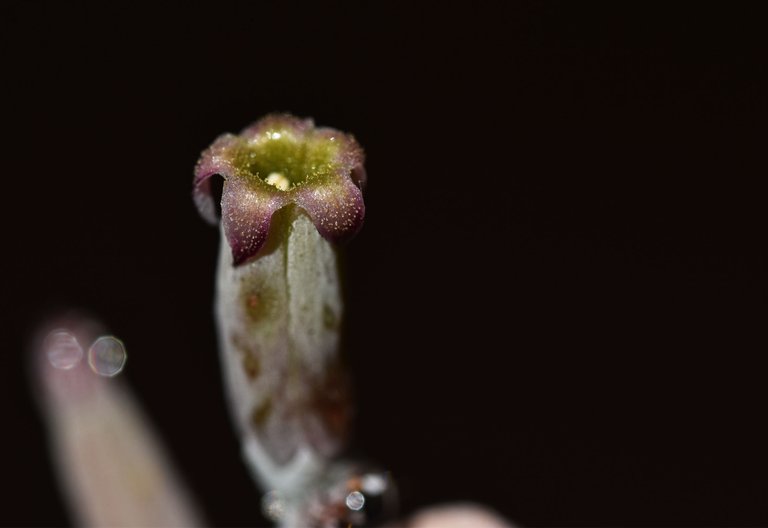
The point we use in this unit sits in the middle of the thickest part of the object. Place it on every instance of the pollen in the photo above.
(279, 180)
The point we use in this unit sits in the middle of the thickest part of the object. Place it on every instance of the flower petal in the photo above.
(246, 213)
(215, 160)
(336, 208)
(278, 122)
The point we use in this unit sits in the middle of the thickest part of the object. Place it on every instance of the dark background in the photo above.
(557, 304)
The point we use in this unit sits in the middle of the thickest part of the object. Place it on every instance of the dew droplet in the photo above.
(355, 501)
(374, 483)
(63, 350)
(107, 356)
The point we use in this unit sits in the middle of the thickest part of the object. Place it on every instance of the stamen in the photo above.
(278, 180)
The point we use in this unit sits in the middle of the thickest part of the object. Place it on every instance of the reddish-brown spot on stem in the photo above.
(251, 365)
(261, 413)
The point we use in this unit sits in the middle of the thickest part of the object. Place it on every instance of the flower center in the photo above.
(280, 159)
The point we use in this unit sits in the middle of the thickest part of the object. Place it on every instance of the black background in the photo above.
(557, 304)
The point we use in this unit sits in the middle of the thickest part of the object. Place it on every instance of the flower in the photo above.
(277, 162)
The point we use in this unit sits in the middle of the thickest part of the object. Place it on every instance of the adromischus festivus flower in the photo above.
(278, 161)
(289, 192)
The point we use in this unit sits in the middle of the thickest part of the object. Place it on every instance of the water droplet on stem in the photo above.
(63, 350)
(107, 356)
